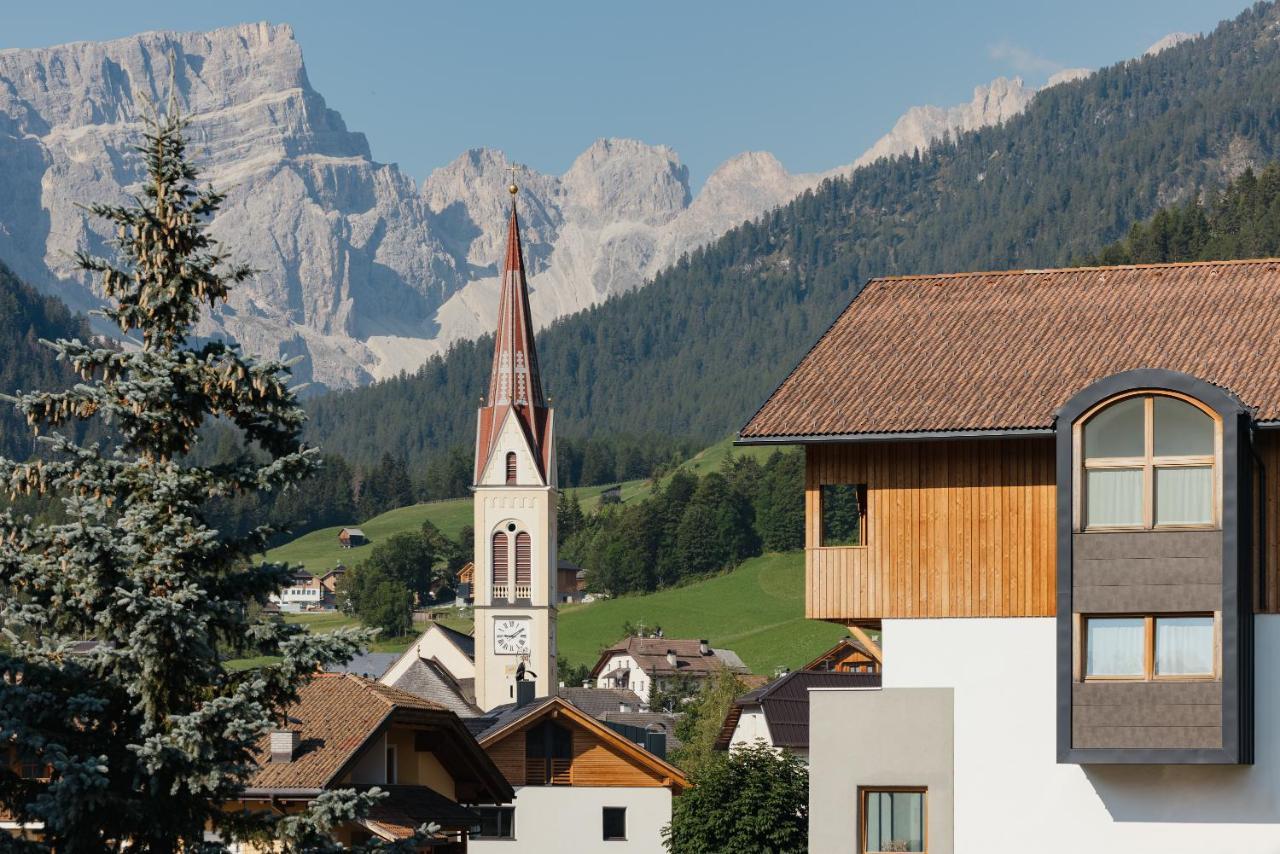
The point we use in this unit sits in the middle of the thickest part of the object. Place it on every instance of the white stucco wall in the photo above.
(752, 726)
(1010, 793)
(638, 680)
(569, 819)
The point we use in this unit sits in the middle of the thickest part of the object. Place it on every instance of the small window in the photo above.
(511, 467)
(1149, 461)
(893, 820)
(1150, 647)
(844, 514)
(495, 823)
(615, 824)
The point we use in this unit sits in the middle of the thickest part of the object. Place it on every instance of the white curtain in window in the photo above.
(1184, 495)
(1114, 497)
(1184, 645)
(1114, 646)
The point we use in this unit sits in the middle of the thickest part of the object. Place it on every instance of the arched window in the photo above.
(1149, 461)
(511, 467)
(499, 559)
(524, 557)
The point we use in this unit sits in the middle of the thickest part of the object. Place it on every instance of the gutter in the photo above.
(273, 793)
(905, 436)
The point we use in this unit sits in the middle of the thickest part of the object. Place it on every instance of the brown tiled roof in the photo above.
(651, 655)
(406, 808)
(337, 713)
(1003, 351)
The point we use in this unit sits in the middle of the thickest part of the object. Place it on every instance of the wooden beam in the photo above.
(872, 647)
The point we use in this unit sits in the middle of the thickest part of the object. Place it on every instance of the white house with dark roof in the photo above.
(641, 664)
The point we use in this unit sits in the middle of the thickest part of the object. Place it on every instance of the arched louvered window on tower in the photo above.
(524, 565)
(499, 560)
(511, 467)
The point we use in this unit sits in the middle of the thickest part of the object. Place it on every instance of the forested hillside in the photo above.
(695, 352)
(26, 317)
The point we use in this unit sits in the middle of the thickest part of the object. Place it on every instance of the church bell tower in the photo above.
(515, 505)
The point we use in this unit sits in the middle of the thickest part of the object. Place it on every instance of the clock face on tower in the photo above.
(510, 637)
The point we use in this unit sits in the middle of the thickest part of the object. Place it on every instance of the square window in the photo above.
(892, 820)
(615, 823)
(1184, 646)
(1115, 646)
(844, 514)
(1184, 495)
(1113, 497)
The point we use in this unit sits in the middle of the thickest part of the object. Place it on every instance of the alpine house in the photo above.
(1055, 493)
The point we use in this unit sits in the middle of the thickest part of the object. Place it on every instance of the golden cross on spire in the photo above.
(513, 189)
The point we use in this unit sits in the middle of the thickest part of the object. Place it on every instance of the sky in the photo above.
(815, 82)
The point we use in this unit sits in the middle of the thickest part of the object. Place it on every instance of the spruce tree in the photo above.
(145, 733)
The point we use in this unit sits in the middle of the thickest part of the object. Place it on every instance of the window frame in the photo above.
(1148, 648)
(1148, 463)
(863, 814)
(860, 494)
(604, 824)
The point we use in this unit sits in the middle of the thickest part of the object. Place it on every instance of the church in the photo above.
(583, 781)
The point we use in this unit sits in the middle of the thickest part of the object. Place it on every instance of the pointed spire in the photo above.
(515, 385)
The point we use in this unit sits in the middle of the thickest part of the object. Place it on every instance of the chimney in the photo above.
(704, 647)
(524, 694)
(284, 743)
(586, 683)
(671, 657)
(624, 708)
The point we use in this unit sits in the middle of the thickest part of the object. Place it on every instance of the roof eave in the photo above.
(905, 436)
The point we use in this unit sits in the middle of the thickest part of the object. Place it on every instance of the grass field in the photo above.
(756, 610)
(319, 550)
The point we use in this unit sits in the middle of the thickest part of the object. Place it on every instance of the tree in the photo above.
(780, 503)
(388, 607)
(699, 726)
(147, 733)
(754, 799)
(569, 517)
(674, 694)
(406, 557)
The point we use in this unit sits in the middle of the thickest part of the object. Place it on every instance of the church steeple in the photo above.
(515, 386)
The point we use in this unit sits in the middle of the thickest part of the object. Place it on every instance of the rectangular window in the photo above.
(893, 820)
(495, 823)
(1116, 646)
(843, 508)
(1184, 646)
(615, 824)
(1184, 495)
(1114, 497)
(391, 765)
(1150, 647)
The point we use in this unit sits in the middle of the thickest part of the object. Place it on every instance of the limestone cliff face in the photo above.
(361, 271)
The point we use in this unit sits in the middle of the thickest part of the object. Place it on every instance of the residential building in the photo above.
(571, 581)
(849, 655)
(515, 505)
(641, 664)
(777, 714)
(580, 785)
(1056, 494)
(466, 584)
(304, 592)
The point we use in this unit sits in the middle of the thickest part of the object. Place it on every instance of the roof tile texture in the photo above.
(1000, 351)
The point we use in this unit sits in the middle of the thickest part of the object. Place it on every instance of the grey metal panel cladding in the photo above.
(1163, 729)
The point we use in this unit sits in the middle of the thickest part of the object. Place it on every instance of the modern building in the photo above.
(643, 664)
(580, 785)
(346, 732)
(1055, 492)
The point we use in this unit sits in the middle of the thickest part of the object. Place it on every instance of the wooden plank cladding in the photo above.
(955, 528)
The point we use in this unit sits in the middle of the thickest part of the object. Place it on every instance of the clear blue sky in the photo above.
(815, 82)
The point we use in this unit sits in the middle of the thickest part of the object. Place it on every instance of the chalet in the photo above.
(571, 581)
(580, 785)
(304, 592)
(1057, 495)
(642, 664)
(777, 714)
(849, 655)
(349, 538)
(349, 732)
(329, 581)
(466, 583)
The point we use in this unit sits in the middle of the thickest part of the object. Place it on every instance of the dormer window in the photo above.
(1149, 461)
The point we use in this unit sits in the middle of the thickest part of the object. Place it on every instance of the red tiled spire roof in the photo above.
(515, 385)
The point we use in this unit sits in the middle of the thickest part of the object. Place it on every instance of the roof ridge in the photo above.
(1032, 271)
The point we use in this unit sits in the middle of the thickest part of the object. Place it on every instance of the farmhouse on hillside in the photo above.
(1067, 529)
(349, 538)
